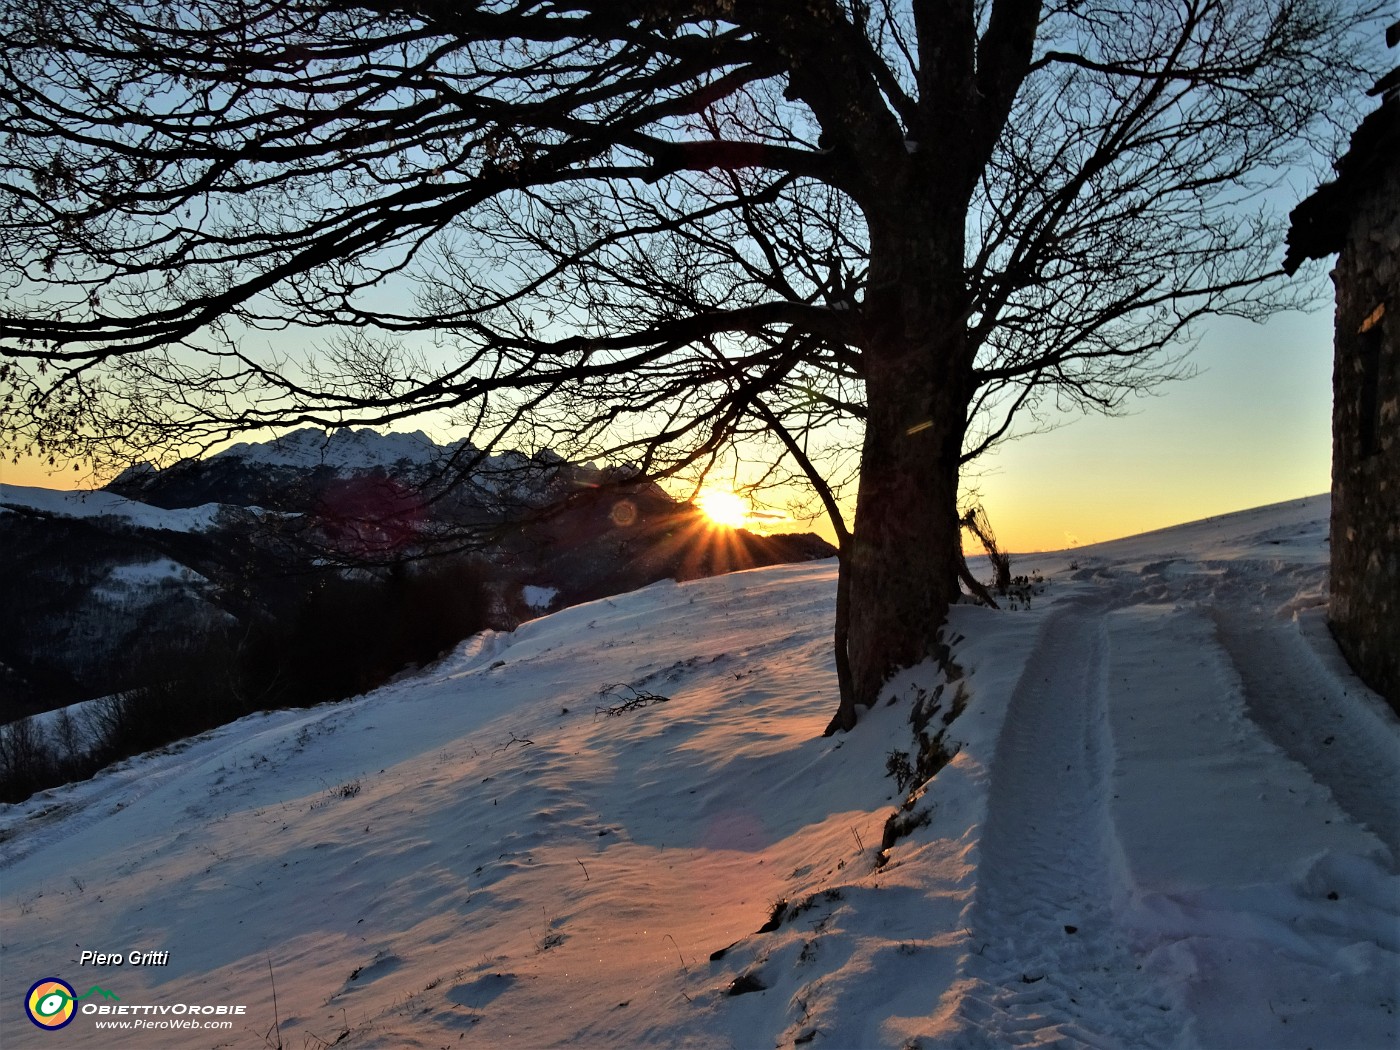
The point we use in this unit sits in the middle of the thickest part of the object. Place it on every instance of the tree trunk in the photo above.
(905, 551)
(845, 712)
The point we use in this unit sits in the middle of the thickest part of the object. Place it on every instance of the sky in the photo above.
(1252, 427)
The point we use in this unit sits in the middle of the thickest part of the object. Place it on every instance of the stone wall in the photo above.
(1365, 603)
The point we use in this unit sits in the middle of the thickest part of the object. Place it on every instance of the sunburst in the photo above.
(724, 508)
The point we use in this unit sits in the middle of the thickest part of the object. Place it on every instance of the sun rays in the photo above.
(724, 507)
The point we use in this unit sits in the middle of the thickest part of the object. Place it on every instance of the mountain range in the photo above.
(113, 579)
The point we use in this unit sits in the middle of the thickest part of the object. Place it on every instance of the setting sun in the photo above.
(724, 508)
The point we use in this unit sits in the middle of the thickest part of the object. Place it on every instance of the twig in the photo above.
(585, 870)
(513, 740)
(684, 967)
(634, 702)
(276, 1020)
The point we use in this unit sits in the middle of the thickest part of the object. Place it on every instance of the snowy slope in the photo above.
(1171, 820)
(97, 504)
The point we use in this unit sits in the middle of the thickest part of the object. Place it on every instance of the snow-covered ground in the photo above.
(96, 504)
(138, 579)
(538, 598)
(1171, 821)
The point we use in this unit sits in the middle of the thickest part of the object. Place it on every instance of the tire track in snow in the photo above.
(1050, 966)
(1309, 715)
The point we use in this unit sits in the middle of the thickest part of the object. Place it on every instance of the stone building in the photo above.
(1357, 216)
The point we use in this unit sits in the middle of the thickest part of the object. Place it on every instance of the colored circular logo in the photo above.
(49, 1003)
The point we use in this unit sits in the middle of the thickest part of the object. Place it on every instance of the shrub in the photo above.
(26, 762)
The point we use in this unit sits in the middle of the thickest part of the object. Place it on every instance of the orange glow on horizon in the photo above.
(33, 472)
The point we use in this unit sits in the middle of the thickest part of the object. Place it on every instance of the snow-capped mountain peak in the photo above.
(346, 448)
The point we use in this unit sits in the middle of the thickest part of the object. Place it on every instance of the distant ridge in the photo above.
(293, 472)
(160, 554)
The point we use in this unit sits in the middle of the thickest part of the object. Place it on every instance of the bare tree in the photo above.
(646, 229)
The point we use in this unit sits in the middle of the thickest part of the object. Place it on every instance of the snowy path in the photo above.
(1181, 791)
(1305, 712)
(1052, 966)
